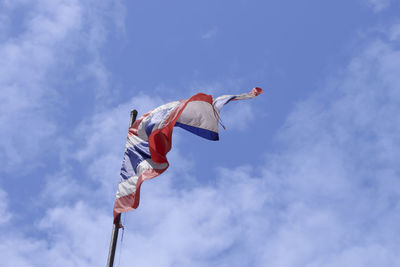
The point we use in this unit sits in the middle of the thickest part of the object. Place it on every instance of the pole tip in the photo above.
(133, 116)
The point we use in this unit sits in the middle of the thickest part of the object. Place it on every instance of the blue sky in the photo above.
(307, 174)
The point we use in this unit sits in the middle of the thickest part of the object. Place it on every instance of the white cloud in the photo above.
(4, 22)
(77, 235)
(42, 50)
(74, 237)
(4, 213)
(99, 14)
(237, 115)
(103, 139)
(37, 55)
(379, 5)
(210, 33)
(61, 188)
(341, 164)
(395, 32)
(329, 198)
(30, 58)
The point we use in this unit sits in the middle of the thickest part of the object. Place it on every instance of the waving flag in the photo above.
(149, 140)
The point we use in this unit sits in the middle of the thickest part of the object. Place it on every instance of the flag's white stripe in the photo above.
(133, 140)
(141, 131)
(128, 186)
(220, 101)
(245, 96)
(159, 124)
(200, 114)
(149, 164)
(171, 106)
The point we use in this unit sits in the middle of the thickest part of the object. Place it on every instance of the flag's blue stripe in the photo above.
(149, 127)
(207, 134)
(133, 157)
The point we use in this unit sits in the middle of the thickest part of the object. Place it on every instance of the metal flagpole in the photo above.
(114, 239)
(117, 222)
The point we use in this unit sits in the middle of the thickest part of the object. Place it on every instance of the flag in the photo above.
(149, 140)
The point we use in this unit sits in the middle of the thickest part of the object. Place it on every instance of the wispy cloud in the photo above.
(104, 135)
(210, 33)
(37, 55)
(395, 32)
(329, 197)
(4, 213)
(379, 5)
(25, 93)
(336, 179)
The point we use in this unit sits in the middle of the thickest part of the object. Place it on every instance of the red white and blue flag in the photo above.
(149, 140)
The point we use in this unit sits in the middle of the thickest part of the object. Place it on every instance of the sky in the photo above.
(307, 174)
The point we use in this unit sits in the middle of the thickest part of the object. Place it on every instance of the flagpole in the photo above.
(114, 239)
(117, 222)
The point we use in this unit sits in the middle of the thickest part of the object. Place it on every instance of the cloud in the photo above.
(337, 179)
(379, 5)
(98, 17)
(40, 55)
(41, 51)
(237, 115)
(25, 94)
(328, 197)
(395, 33)
(102, 140)
(102, 144)
(210, 33)
(4, 213)
(75, 237)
